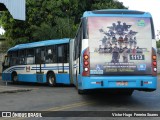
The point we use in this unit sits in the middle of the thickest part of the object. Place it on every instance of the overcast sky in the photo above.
(152, 6)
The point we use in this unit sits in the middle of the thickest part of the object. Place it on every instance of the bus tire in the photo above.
(14, 77)
(51, 79)
(127, 93)
(81, 92)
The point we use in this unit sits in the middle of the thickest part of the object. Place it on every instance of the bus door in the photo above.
(5, 63)
(63, 63)
(40, 60)
(60, 61)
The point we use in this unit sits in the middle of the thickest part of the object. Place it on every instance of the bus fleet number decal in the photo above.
(136, 57)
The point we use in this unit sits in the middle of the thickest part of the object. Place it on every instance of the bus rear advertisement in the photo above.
(116, 46)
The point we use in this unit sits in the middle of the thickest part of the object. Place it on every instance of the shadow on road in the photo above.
(29, 84)
(104, 98)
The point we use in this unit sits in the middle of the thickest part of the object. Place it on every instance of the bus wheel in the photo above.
(81, 92)
(127, 93)
(14, 77)
(51, 79)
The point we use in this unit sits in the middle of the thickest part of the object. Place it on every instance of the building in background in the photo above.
(15, 7)
(1, 31)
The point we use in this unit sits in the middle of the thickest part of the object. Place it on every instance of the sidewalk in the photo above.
(6, 88)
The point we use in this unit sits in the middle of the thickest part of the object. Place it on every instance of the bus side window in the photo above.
(6, 61)
(30, 57)
(21, 57)
(60, 54)
(66, 53)
(63, 53)
(42, 55)
(78, 39)
(54, 54)
(39, 55)
(14, 58)
(49, 54)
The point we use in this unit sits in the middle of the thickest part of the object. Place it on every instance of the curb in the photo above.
(14, 91)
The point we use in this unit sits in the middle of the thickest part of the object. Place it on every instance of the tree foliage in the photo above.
(158, 44)
(50, 19)
(158, 38)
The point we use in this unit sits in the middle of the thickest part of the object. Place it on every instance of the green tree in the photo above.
(158, 44)
(50, 19)
(158, 38)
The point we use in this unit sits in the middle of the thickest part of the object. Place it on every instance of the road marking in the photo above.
(69, 106)
(73, 104)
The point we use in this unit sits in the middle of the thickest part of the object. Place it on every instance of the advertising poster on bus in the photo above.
(119, 45)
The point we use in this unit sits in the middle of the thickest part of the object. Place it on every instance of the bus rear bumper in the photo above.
(123, 82)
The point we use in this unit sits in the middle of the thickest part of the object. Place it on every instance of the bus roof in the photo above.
(39, 44)
(116, 13)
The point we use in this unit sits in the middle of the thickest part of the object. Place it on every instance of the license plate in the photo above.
(121, 83)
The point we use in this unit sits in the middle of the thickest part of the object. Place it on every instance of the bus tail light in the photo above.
(154, 62)
(86, 57)
(86, 65)
(154, 57)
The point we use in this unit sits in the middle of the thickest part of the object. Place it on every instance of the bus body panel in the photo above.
(132, 82)
(37, 71)
(141, 78)
(62, 78)
(39, 44)
(116, 13)
(25, 75)
(6, 77)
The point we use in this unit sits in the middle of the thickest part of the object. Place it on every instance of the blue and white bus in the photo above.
(113, 50)
(42, 62)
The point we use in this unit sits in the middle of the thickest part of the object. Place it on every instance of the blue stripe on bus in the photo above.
(51, 67)
(11, 70)
(38, 68)
(16, 68)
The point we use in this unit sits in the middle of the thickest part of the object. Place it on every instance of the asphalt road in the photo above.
(65, 98)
